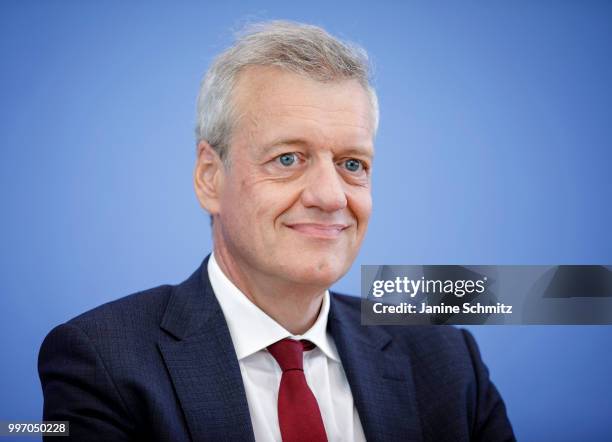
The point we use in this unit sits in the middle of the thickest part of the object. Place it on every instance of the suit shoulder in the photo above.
(436, 335)
(121, 335)
(137, 311)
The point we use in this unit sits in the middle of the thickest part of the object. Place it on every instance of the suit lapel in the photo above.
(202, 363)
(380, 376)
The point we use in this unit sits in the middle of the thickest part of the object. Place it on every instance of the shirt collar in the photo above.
(252, 329)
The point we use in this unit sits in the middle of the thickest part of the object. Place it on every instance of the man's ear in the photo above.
(208, 177)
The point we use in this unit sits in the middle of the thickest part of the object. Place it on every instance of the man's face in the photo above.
(295, 201)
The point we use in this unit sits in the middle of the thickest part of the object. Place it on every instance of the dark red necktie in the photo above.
(299, 416)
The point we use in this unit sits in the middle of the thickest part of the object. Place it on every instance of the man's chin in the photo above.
(323, 273)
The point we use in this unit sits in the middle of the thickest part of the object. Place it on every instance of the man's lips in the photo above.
(318, 229)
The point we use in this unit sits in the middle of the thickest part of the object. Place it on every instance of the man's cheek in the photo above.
(362, 207)
(260, 210)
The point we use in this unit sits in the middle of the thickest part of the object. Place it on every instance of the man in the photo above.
(252, 345)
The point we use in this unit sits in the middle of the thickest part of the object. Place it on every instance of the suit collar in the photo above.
(202, 363)
(191, 305)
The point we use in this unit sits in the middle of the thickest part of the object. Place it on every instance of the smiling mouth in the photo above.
(328, 231)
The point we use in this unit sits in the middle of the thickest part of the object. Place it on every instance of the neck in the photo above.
(294, 306)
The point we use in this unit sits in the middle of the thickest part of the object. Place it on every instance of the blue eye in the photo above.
(353, 165)
(287, 159)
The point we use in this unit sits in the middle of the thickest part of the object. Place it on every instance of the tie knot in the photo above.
(289, 353)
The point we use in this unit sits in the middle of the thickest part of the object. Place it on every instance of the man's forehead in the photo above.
(272, 85)
(269, 99)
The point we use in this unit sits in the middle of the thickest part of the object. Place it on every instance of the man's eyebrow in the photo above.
(355, 150)
(292, 141)
(365, 150)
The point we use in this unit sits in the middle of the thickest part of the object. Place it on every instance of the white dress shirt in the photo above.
(252, 331)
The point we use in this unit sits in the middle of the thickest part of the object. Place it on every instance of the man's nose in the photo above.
(325, 188)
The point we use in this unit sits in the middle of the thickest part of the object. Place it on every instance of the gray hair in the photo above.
(299, 48)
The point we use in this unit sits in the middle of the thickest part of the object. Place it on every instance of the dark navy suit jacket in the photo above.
(160, 365)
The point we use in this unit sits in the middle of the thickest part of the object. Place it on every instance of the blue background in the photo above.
(494, 148)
